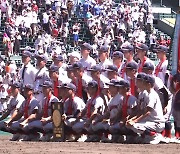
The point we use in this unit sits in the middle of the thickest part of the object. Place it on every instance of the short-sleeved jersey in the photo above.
(33, 105)
(52, 99)
(77, 104)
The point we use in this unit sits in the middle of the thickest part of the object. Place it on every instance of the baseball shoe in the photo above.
(165, 140)
(82, 138)
(15, 137)
(155, 139)
(175, 140)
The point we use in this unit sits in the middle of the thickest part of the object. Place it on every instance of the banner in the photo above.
(175, 60)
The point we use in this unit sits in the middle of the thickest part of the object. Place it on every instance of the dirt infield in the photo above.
(9, 147)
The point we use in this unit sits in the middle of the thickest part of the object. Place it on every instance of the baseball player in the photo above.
(141, 50)
(96, 75)
(166, 99)
(103, 57)
(94, 108)
(103, 122)
(28, 71)
(117, 58)
(45, 125)
(131, 71)
(161, 68)
(58, 61)
(41, 76)
(27, 112)
(82, 80)
(86, 60)
(70, 74)
(151, 123)
(73, 106)
(126, 108)
(15, 102)
(57, 79)
(128, 52)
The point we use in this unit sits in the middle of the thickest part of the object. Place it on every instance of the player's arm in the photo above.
(15, 116)
(5, 115)
(103, 117)
(144, 115)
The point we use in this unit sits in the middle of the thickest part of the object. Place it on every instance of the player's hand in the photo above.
(22, 124)
(43, 121)
(130, 123)
(64, 117)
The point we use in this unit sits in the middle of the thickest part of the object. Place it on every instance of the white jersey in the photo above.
(161, 70)
(27, 74)
(141, 100)
(15, 103)
(153, 101)
(52, 99)
(131, 103)
(97, 104)
(104, 64)
(41, 76)
(114, 104)
(87, 63)
(77, 104)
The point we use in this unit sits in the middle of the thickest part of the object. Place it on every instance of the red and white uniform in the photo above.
(141, 64)
(161, 70)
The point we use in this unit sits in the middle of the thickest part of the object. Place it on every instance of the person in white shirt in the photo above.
(41, 76)
(118, 60)
(103, 122)
(28, 71)
(82, 79)
(59, 62)
(15, 102)
(76, 29)
(103, 53)
(161, 68)
(93, 109)
(86, 60)
(141, 50)
(151, 123)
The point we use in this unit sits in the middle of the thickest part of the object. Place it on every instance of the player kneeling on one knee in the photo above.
(151, 122)
(44, 124)
(126, 110)
(94, 108)
(28, 112)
